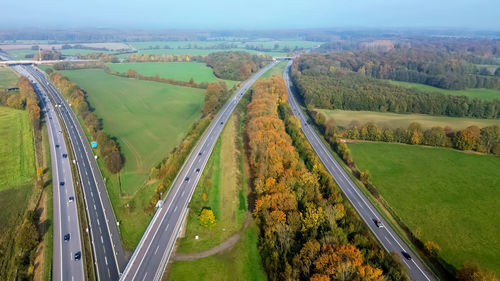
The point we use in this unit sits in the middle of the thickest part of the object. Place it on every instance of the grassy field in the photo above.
(443, 195)
(223, 188)
(148, 119)
(17, 158)
(8, 78)
(243, 263)
(394, 120)
(485, 94)
(276, 70)
(20, 54)
(182, 71)
(17, 172)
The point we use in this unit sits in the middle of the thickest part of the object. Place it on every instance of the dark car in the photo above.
(221, 122)
(78, 256)
(57, 146)
(198, 170)
(199, 154)
(66, 237)
(65, 155)
(406, 255)
(186, 179)
(378, 223)
(61, 183)
(71, 199)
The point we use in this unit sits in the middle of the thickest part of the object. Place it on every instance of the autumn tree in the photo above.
(207, 218)
(473, 272)
(468, 138)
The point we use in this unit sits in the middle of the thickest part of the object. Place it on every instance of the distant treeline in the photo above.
(485, 140)
(321, 84)
(108, 147)
(236, 65)
(438, 69)
(134, 74)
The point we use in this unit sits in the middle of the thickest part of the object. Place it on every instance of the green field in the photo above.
(20, 54)
(443, 195)
(17, 172)
(276, 70)
(485, 94)
(394, 120)
(8, 78)
(148, 118)
(182, 71)
(17, 158)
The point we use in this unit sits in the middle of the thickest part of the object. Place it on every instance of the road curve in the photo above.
(385, 235)
(64, 265)
(151, 255)
(107, 251)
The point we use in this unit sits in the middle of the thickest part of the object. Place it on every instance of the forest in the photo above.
(235, 65)
(321, 84)
(306, 230)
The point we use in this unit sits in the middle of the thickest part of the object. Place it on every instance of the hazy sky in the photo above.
(251, 14)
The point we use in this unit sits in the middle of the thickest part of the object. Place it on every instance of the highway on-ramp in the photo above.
(66, 223)
(385, 235)
(107, 251)
(151, 255)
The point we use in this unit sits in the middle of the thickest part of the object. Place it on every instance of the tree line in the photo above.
(438, 69)
(108, 147)
(321, 85)
(306, 231)
(134, 74)
(235, 65)
(25, 98)
(484, 140)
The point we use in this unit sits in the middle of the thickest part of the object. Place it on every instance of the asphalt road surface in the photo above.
(107, 251)
(64, 266)
(151, 255)
(385, 235)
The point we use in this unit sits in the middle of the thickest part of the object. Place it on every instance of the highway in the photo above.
(385, 235)
(107, 251)
(64, 265)
(151, 255)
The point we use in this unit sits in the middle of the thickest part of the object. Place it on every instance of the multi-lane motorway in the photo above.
(149, 259)
(385, 235)
(107, 251)
(67, 237)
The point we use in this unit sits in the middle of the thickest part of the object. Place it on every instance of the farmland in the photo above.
(269, 44)
(8, 78)
(394, 120)
(443, 195)
(485, 94)
(182, 71)
(148, 119)
(199, 52)
(17, 172)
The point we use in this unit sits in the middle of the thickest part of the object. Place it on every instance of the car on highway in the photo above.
(78, 256)
(199, 154)
(186, 179)
(61, 183)
(221, 122)
(71, 199)
(198, 170)
(65, 155)
(378, 223)
(57, 146)
(66, 237)
(406, 255)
